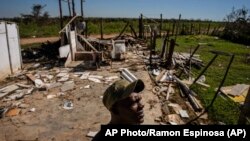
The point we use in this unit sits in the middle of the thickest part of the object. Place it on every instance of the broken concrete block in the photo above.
(85, 75)
(96, 76)
(91, 133)
(111, 78)
(16, 96)
(3, 94)
(67, 86)
(174, 119)
(183, 113)
(23, 105)
(62, 74)
(32, 110)
(64, 78)
(53, 85)
(86, 87)
(39, 83)
(9, 88)
(50, 77)
(96, 80)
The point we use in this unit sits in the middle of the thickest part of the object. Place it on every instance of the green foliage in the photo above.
(237, 28)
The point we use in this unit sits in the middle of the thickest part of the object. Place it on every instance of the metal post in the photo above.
(140, 26)
(177, 28)
(161, 24)
(191, 29)
(101, 28)
(86, 30)
(70, 15)
(60, 11)
(73, 7)
(82, 8)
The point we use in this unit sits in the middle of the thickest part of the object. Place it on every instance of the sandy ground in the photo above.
(50, 121)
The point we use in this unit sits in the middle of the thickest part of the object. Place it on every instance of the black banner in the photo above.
(225, 132)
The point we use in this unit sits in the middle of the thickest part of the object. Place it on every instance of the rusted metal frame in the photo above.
(190, 58)
(133, 30)
(122, 31)
(87, 42)
(221, 84)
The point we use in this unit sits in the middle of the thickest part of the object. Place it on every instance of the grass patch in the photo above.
(223, 110)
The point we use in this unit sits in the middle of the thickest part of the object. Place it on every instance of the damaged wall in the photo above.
(10, 52)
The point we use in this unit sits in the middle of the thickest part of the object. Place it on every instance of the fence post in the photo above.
(161, 24)
(140, 26)
(101, 28)
(173, 28)
(170, 54)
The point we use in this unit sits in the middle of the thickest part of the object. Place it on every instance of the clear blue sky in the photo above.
(196, 9)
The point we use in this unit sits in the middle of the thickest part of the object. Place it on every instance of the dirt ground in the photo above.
(50, 121)
(41, 115)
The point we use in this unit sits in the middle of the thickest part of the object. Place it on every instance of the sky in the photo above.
(189, 9)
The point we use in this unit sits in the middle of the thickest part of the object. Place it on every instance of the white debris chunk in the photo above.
(86, 87)
(96, 80)
(85, 75)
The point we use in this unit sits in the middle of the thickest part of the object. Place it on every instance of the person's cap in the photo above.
(119, 90)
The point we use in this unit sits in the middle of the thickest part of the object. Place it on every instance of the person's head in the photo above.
(123, 100)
